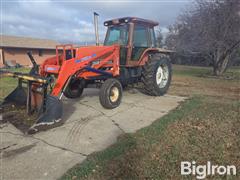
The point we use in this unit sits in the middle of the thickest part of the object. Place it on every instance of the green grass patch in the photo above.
(21, 69)
(191, 71)
(196, 71)
(8, 84)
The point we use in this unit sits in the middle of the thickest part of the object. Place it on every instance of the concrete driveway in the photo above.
(88, 128)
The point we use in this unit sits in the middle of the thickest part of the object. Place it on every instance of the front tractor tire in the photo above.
(110, 95)
(74, 88)
(157, 74)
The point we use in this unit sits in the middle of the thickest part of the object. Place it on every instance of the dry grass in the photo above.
(188, 81)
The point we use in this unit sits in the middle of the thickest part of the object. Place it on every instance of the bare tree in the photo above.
(211, 28)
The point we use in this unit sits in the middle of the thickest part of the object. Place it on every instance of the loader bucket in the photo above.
(17, 96)
(49, 118)
(29, 108)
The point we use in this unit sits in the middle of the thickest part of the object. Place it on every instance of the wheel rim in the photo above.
(114, 94)
(162, 75)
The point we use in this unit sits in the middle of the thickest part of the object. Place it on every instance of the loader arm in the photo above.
(103, 61)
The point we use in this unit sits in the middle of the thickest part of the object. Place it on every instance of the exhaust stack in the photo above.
(96, 27)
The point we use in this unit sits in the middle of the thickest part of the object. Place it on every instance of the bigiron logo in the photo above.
(202, 171)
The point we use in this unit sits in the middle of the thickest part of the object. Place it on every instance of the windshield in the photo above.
(117, 35)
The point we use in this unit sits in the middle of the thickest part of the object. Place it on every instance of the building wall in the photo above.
(19, 55)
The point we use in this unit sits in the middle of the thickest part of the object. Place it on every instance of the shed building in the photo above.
(14, 49)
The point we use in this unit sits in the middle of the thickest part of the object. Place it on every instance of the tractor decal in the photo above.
(51, 69)
(85, 58)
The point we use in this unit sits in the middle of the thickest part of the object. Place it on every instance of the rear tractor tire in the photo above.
(110, 95)
(75, 88)
(156, 75)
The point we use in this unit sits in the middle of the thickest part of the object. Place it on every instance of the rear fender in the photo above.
(144, 57)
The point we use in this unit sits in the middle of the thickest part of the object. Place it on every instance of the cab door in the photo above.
(118, 34)
(140, 42)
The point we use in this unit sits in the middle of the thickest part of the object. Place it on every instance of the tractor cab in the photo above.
(134, 35)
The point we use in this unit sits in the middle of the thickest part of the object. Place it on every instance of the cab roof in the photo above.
(130, 19)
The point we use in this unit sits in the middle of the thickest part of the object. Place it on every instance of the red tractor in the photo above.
(129, 55)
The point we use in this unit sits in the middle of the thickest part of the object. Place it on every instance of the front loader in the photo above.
(129, 55)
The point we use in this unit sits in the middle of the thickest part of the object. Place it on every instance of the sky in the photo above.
(72, 21)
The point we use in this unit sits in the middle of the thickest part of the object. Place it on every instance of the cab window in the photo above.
(140, 41)
(117, 35)
(140, 36)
